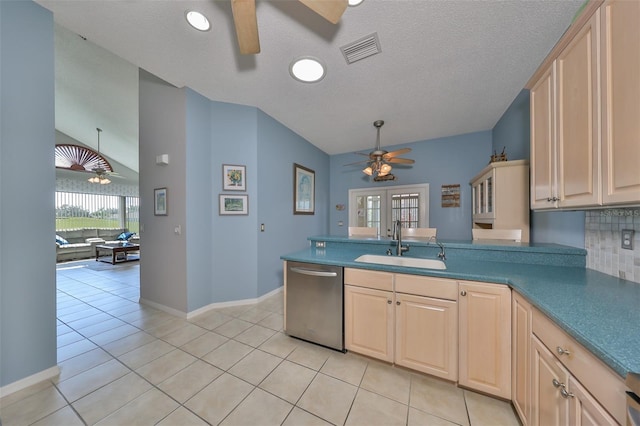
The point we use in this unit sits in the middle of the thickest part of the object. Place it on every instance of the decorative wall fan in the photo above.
(246, 23)
(378, 163)
(83, 159)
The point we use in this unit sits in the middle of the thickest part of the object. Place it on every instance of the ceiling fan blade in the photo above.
(396, 153)
(357, 162)
(331, 10)
(400, 160)
(244, 18)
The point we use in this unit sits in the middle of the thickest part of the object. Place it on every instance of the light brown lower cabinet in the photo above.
(412, 330)
(590, 391)
(521, 318)
(558, 398)
(426, 335)
(368, 322)
(485, 338)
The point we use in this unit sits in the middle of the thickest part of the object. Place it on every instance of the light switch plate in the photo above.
(627, 239)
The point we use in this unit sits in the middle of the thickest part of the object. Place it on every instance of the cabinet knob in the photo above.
(463, 293)
(562, 351)
(389, 301)
(566, 394)
(398, 303)
(556, 383)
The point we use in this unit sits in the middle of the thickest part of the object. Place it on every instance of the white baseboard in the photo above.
(211, 306)
(208, 308)
(16, 386)
(163, 308)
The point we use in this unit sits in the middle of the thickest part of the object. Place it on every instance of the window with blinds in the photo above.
(406, 208)
(77, 210)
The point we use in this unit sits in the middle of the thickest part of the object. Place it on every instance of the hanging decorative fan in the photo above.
(378, 164)
(246, 23)
(84, 159)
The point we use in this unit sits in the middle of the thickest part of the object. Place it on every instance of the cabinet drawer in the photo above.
(603, 383)
(369, 279)
(438, 288)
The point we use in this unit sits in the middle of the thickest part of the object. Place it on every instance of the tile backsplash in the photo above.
(603, 241)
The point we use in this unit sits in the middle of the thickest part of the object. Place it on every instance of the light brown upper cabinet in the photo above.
(620, 71)
(564, 127)
(585, 113)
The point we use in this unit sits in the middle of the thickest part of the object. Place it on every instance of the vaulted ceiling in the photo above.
(446, 67)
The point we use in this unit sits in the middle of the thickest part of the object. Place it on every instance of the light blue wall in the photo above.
(513, 132)
(234, 255)
(200, 209)
(162, 122)
(27, 227)
(278, 149)
(442, 161)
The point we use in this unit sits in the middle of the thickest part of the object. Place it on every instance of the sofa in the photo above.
(81, 243)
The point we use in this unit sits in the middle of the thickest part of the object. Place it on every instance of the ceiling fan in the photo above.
(246, 23)
(83, 159)
(378, 163)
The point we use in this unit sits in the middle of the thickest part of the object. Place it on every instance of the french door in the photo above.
(380, 207)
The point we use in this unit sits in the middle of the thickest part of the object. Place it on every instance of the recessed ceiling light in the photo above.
(307, 69)
(355, 2)
(197, 20)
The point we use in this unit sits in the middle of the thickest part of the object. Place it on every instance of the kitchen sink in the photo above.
(409, 262)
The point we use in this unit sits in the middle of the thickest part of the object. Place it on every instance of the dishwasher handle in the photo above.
(313, 273)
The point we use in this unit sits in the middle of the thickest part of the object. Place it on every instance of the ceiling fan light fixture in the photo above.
(368, 171)
(197, 20)
(307, 69)
(384, 169)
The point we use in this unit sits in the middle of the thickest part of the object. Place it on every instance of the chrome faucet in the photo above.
(442, 255)
(397, 235)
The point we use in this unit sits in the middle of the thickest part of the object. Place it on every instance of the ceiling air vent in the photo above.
(360, 49)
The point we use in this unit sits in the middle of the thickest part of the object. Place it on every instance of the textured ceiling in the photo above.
(447, 67)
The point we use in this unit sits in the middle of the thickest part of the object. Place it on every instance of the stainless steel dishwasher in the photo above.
(315, 304)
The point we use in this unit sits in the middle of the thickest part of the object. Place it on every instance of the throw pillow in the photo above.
(126, 236)
(61, 240)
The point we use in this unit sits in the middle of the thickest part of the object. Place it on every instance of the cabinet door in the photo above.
(521, 316)
(368, 322)
(543, 168)
(620, 69)
(427, 335)
(549, 408)
(485, 338)
(584, 409)
(577, 132)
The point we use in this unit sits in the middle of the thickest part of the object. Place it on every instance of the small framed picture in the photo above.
(231, 204)
(303, 190)
(160, 201)
(234, 178)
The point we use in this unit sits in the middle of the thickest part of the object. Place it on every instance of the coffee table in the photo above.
(114, 249)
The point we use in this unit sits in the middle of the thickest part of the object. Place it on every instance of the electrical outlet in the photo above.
(321, 244)
(627, 239)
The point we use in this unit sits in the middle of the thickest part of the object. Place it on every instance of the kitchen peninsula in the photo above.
(598, 311)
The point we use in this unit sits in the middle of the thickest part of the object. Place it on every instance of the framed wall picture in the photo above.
(234, 178)
(304, 185)
(160, 201)
(233, 205)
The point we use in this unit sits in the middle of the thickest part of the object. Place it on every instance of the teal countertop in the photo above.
(600, 311)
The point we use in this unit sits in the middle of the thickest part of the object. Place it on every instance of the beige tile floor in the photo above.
(123, 363)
